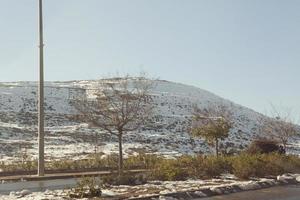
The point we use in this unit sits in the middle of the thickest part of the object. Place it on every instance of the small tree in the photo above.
(119, 105)
(213, 124)
(280, 126)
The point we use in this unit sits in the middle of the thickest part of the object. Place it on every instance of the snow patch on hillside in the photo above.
(173, 108)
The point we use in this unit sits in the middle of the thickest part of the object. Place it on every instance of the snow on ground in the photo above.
(151, 188)
(173, 108)
(50, 195)
(224, 185)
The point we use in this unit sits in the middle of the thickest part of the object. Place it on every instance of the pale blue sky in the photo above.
(244, 50)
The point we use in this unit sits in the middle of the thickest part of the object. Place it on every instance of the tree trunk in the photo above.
(217, 147)
(120, 155)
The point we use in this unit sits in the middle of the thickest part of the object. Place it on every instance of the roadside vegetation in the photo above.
(245, 165)
(261, 159)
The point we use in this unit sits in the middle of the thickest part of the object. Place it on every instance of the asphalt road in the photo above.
(291, 192)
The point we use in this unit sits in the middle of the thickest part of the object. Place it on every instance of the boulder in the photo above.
(298, 179)
(200, 194)
(216, 190)
(249, 186)
(286, 178)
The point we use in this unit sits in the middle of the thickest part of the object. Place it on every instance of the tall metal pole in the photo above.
(41, 133)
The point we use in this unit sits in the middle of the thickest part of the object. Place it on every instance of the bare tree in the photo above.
(213, 124)
(280, 126)
(120, 105)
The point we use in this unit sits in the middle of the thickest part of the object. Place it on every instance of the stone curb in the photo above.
(222, 190)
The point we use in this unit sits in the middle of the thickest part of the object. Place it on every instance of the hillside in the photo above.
(64, 138)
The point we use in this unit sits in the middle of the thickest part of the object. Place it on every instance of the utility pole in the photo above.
(41, 133)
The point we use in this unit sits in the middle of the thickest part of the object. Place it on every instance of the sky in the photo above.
(243, 50)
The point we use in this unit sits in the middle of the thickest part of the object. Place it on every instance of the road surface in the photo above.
(291, 192)
(36, 186)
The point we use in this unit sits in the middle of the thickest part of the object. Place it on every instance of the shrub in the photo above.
(29, 165)
(141, 161)
(262, 145)
(273, 164)
(261, 165)
(92, 161)
(245, 166)
(290, 164)
(191, 164)
(87, 187)
(18, 166)
(125, 179)
(205, 166)
(168, 170)
(214, 166)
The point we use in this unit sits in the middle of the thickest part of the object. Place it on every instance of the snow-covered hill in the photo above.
(173, 106)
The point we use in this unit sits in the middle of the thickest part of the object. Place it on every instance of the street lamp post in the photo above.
(41, 134)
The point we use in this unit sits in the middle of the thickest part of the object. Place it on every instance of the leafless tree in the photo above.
(213, 124)
(120, 105)
(279, 126)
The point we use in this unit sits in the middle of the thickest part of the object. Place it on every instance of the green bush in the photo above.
(19, 166)
(213, 166)
(169, 170)
(262, 165)
(125, 179)
(141, 161)
(245, 166)
(273, 164)
(205, 166)
(29, 165)
(290, 164)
